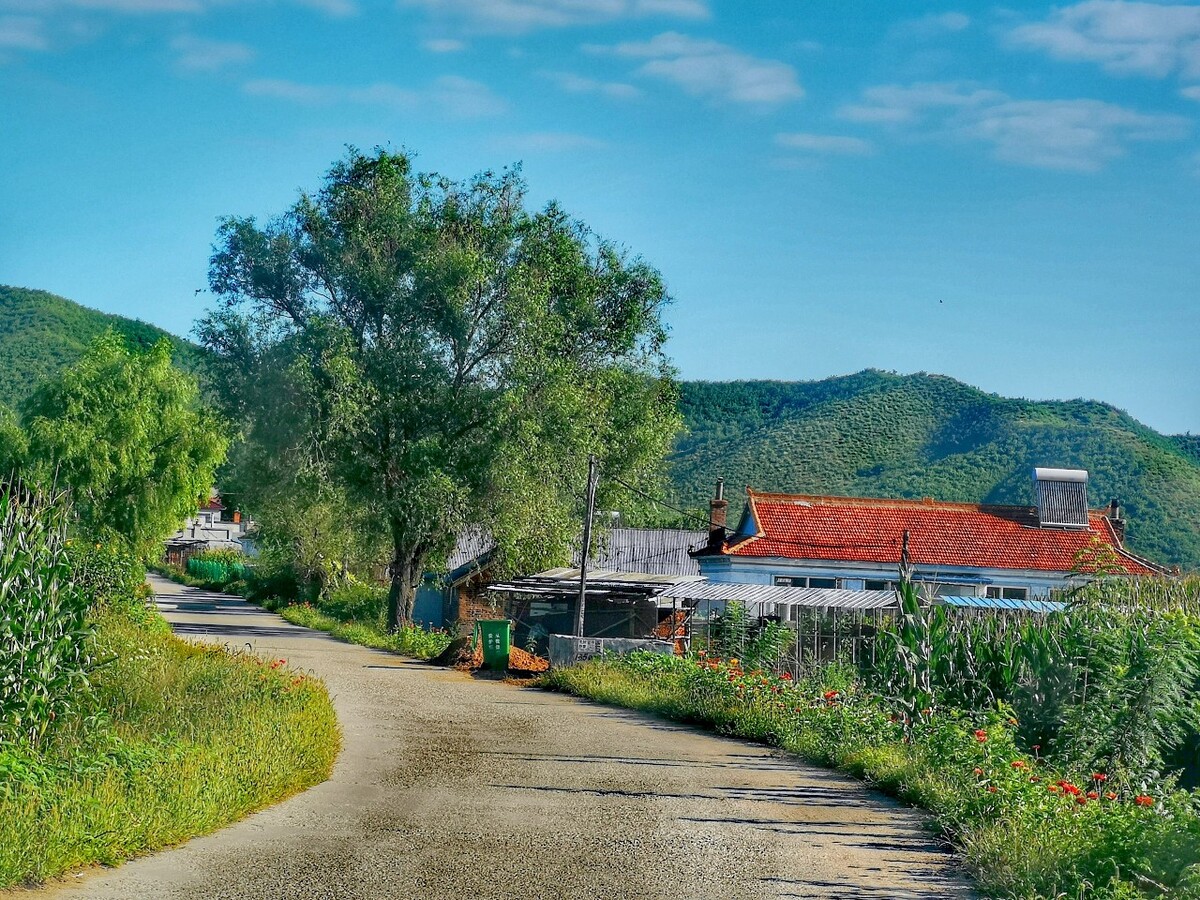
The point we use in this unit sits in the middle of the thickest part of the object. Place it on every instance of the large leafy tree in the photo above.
(438, 355)
(128, 434)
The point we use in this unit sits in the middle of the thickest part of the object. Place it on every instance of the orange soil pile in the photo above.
(518, 661)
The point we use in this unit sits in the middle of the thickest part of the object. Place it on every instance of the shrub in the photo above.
(107, 573)
(45, 652)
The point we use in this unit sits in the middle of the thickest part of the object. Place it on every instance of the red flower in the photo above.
(1082, 801)
(1033, 779)
(991, 789)
(1092, 795)
(1099, 776)
(980, 735)
(1110, 796)
(1143, 800)
(977, 770)
(1019, 764)
(829, 695)
(1053, 788)
(786, 676)
(1070, 789)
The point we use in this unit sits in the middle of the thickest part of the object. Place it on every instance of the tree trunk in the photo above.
(406, 572)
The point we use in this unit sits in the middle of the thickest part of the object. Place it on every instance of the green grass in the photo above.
(409, 641)
(174, 740)
(1018, 837)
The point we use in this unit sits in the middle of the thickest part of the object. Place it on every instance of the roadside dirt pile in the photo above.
(462, 656)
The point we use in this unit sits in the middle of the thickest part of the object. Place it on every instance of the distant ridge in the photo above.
(878, 434)
(42, 333)
(872, 434)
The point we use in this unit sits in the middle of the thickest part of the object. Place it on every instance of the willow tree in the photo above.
(128, 433)
(450, 356)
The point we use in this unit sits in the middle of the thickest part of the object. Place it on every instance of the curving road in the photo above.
(454, 788)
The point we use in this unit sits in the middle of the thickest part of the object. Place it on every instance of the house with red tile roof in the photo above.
(1005, 553)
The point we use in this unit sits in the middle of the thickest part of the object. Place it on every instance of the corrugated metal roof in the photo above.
(783, 596)
(655, 551)
(1039, 606)
(599, 575)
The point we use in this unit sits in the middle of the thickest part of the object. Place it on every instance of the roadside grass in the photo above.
(408, 641)
(171, 740)
(1025, 829)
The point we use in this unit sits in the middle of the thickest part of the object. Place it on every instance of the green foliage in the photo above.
(107, 574)
(882, 435)
(174, 740)
(359, 617)
(1027, 827)
(45, 648)
(428, 354)
(127, 434)
(757, 644)
(42, 334)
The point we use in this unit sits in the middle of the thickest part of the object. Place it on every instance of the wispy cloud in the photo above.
(337, 9)
(527, 15)
(711, 69)
(444, 45)
(547, 142)
(1191, 92)
(458, 97)
(1078, 135)
(933, 25)
(825, 144)
(195, 54)
(1125, 37)
(22, 33)
(139, 6)
(577, 84)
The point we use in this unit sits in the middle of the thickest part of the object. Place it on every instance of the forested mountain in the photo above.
(876, 434)
(872, 434)
(41, 333)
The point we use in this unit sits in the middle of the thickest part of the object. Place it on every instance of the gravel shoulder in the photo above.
(452, 787)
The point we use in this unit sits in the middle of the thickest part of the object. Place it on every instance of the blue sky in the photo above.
(1007, 195)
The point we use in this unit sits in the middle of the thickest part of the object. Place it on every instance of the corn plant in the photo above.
(45, 647)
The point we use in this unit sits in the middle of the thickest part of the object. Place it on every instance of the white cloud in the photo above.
(337, 9)
(459, 97)
(1125, 37)
(831, 144)
(548, 142)
(1071, 135)
(22, 33)
(1080, 135)
(194, 54)
(526, 15)
(444, 45)
(577, 84)
(139, 6)
(904, 103)
(1191, 92)
(711, 69)
(933, 25)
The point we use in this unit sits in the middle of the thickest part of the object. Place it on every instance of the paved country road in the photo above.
(454, 788)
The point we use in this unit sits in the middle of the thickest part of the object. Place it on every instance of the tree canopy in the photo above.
(433, 354)
(127, 433)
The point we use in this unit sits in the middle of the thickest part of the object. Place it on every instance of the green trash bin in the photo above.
(496, 635)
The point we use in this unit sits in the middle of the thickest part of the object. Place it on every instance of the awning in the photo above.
(999, 603)
(775, 595)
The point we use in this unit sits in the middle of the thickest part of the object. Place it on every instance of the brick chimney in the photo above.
(1117, 520)
(718, 507)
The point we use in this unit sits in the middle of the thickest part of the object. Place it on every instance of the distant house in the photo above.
(1002, 554)
(213, 527)
(458, 594)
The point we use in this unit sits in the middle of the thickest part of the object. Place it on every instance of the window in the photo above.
(997, 593)
(803, 581)
(872, 585)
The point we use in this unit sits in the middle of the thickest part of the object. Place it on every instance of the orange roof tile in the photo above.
(960, 535)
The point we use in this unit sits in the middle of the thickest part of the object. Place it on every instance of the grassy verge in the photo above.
(409, 641)
(1025, 829)
(171, 741)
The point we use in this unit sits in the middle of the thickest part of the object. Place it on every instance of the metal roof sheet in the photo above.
(783, 596)
(1039, 606)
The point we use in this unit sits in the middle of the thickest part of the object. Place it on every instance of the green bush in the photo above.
(106, 572)
(218, 568)
(45, 647)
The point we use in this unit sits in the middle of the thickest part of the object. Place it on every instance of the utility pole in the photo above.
(587, 543)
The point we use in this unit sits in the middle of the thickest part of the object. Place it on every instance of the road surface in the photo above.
(450, 787)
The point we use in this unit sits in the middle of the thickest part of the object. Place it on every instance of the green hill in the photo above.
(42, 333)
(882, 435)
